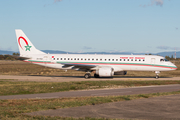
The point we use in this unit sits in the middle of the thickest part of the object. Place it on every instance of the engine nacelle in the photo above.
(105, 72)
(120, 73)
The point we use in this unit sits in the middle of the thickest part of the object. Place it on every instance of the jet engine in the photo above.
(105, 72)
(120, 73)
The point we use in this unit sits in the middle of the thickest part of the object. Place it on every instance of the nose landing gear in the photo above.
(157, 74)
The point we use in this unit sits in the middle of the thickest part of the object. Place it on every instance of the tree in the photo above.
(16, 54)
(172, 57)
(167, 57)
(1, 57)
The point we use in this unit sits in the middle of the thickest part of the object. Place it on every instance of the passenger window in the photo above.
(104, 59)
(124, 59)
(109, 59)
(57, 58)
(89, 59)
(64, 58)
(68, 58)
(81, 58)
(139, 59)
(92, 59)
(100, 59)
(131, 59)
(112, 59)
(116, 59)
(96, 59)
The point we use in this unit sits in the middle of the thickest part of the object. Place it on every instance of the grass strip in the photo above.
(24, 87)
(13, 109)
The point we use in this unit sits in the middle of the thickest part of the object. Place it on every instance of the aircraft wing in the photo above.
(78, 66)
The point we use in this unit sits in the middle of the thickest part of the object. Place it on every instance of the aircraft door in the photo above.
(153, 61)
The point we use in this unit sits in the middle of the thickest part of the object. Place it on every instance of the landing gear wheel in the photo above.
(96, 76)
(87, 75)
(157, 76)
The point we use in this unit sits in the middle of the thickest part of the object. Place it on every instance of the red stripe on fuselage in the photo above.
(124, 64)
(39, 62)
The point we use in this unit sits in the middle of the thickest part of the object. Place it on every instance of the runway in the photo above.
(101, 92)
(77, 78)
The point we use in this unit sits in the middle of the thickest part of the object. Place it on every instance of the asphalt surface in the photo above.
(77, 78)
(157, 108)
(101, 92)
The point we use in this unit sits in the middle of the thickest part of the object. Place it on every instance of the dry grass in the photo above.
(23, 68)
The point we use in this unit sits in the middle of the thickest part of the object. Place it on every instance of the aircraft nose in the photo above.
(174, 66)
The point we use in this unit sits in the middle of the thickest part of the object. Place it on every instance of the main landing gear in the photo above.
(96, 75)
(157, 74)
(87, 75)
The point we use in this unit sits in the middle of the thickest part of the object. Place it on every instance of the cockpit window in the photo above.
(163, 60)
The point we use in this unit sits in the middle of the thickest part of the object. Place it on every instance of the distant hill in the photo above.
(2, 52)
(54, 51)
(169, 54)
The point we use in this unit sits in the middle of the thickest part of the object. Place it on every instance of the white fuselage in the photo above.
(117, 62)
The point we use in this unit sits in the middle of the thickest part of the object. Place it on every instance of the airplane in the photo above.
(100, 65)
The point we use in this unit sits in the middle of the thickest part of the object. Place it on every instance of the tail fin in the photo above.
(26, 48)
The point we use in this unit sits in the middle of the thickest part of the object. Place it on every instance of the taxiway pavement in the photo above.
(76, 78)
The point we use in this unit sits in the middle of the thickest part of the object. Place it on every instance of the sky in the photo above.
(149, 26)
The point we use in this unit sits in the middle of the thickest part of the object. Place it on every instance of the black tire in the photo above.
(87, 75)
(96, 76)
(157, 76)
